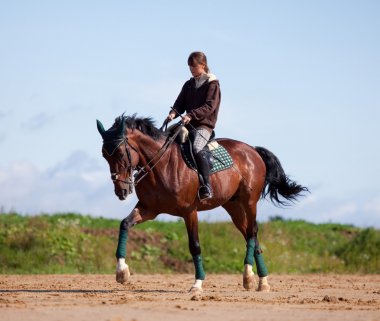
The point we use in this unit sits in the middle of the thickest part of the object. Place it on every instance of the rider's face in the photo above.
(197, 69)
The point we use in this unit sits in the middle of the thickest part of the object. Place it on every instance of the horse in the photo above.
(165, 184)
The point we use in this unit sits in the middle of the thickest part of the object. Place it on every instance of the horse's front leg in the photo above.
(191, 221)
(137, 216)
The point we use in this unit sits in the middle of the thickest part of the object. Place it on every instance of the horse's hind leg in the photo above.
(239, 218)
(254, 252)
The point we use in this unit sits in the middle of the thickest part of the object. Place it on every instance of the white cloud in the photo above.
(373, 205)
(342, 211)
(360, 210)
(79, 184)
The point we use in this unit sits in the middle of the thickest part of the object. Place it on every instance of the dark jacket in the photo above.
(201, 104)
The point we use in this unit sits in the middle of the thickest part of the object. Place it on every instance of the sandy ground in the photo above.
(166, 297)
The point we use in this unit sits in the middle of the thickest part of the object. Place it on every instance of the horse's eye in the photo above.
(114, 176)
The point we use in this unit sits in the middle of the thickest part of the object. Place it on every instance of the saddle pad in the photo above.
(221, 159)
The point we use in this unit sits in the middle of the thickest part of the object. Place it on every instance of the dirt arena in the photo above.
(166, 297)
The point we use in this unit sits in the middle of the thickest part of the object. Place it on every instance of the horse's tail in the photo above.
(277, 182)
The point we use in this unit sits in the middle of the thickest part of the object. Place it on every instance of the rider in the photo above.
(200, 98)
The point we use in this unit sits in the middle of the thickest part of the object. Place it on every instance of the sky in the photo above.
(300, 78)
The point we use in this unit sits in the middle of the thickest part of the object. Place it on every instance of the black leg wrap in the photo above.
(124, 225)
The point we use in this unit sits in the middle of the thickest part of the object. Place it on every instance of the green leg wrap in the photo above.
(121, 251)
(259, 258)
(250, 250)
(199, 272)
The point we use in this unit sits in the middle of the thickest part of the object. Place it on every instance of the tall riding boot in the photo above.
(205, 190)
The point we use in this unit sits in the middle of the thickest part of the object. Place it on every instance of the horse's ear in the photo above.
(101, 129)
(121, 128)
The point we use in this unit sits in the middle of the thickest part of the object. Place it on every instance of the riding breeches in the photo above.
(201, 138)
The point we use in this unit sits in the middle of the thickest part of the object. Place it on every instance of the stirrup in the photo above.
(206, 192)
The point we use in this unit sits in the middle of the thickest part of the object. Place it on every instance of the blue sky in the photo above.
(300, 78)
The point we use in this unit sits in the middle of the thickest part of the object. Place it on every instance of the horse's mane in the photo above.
(144, 124)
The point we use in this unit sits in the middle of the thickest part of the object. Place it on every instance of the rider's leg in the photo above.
(200, 140)
(205, 190)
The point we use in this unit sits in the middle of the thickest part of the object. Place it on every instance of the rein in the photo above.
(159, 154)
(147, 168)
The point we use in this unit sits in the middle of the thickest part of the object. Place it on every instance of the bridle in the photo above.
(115, 176)
(147, 168)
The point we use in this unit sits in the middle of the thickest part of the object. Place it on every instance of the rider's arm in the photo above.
(180, 103)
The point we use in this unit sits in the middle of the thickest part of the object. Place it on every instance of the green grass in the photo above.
(72, 243)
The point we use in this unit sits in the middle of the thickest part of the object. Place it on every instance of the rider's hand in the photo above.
(186, 119)
(170, 117)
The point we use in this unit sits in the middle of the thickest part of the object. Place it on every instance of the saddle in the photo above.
(219, 158)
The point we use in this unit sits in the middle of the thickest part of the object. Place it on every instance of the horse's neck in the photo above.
(155, 159)
(149, 150)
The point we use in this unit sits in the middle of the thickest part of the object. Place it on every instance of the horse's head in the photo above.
(120, 157)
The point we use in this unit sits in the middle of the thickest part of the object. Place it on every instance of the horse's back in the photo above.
(236, 147)
(246, 159)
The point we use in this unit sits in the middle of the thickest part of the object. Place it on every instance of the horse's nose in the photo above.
(121, 194)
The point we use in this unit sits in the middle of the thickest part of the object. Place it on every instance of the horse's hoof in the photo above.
(263, 287)
(122, 276)
(195, 290)
(249, 282)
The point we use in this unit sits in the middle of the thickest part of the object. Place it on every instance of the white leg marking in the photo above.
(248, 269)
(122, 271)
(197, 287)
(264, 280)
(263, 284)
(198, 284)
(248, 277)
(121, 265)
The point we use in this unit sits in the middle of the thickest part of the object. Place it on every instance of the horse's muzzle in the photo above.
(121, 194)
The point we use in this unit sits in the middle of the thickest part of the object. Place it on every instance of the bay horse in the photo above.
(168, 185)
